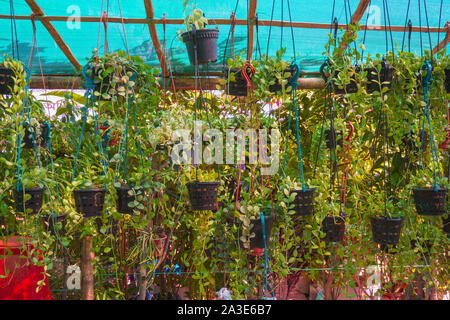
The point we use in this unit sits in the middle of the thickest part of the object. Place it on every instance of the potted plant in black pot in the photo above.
(29, 193)
(202, 193)
(235, 83)
(300, 197)
(341, 79)
(386, 228)
(333, 224)
(89, 193)
(201, 43)
(430, 198)
(6, 80)
(379, 76)
(252, 232)
(113, 75)
(131, 192)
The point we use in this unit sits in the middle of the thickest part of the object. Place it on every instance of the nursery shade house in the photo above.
(238, 149)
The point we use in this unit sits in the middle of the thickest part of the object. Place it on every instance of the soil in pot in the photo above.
(34, 203)
(6, 80)
(124, 198)
(90, 202)
(429, 202)
(386, 231)
(334, 228)
(304, 202)
(203, 195)
(206, 40)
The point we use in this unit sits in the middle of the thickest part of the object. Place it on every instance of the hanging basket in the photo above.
(34, 203)
(206, 40)
(50, 222)
(334, 228)
(304, 202)
(90, 202)
(237, 88)
(6, 80)
(429, 202)
(203, 195)
(277, 87)
(386, 231)
(40, 139)
(124, 199)
(447, 80)
(386, 76)
(351, 87)
(333, 137)
(257, 242)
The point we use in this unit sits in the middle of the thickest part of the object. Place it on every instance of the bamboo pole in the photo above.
(53, 32)
(154, 35)
(240, 22)
(445, 41)
(251, 27)
(87, 270)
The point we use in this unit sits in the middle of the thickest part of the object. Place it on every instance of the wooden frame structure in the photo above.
(71, 81)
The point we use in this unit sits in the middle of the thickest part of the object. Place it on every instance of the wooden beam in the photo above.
(251, 27)
(150, 14)
(239, 22)
(54, 33)
(356, 17)
(445, 41)
(74, 82)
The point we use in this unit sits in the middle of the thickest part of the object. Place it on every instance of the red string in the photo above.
(99, 29)
(123, 27)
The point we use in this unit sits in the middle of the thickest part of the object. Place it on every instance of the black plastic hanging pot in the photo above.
(386, 76)
(206, 40)
(351, 87)
(429, 202)
(124, 199)
(34, 203)
(90, 202)
(203, 195)
(6, 80)
(40, 139)
(334, 228)
(277, 87)
(447, 80)
(386, 231)
(257, 242)
(238, 87)
(303, 202)
(331, 138)
(51, 221)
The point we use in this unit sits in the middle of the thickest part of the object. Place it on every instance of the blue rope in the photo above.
(31, 129)
(266, 258)
(425, 83)
(124, 142)
(137, 130)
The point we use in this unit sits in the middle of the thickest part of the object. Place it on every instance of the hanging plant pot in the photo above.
(34, 203)
(350, 87)
(203, 195)
(446, 225)
(277, 87)
(304, 202)
(90, 202)
(429, 202)
(447, 80)
(331, 138)
(238, 87)
(386, 76)
(386, 231)
(334, 228)
(257, 242)
(124, 198)
(206, 40)
(6, 80)
(50, 222)
(40, 139)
